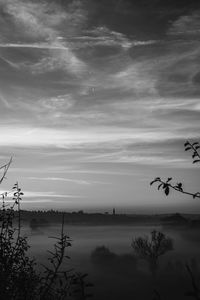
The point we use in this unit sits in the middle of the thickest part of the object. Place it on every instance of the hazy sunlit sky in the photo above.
(97, 97)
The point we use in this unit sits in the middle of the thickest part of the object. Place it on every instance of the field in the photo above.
(118, 273)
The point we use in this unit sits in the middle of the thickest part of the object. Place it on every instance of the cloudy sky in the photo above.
(96, 99)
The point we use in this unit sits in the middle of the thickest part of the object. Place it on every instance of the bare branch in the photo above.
(5, 169)
(195, 293)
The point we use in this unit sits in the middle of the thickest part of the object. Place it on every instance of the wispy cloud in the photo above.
(130, 157)
(36, 194)
(88, 90)
(103, 36)
(38, 23)
(31, 194)
(186, 25)
(32, 201)
(75, 181)
(81, 139)
(5, 101)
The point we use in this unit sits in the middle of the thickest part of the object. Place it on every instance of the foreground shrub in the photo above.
(19, 278)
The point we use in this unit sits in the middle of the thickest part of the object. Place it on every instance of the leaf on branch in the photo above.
(196, 195)
(188, 148)
(186, 143)
(196, 160)
(167, 191)
(165, 185)
(152, 182)
(179, 186)
(169, 179)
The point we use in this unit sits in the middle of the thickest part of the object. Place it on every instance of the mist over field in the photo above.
(121, 274)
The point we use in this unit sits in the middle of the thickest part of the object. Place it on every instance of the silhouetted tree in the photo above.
(150, 249)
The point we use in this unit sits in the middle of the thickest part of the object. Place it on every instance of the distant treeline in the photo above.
(46, 218)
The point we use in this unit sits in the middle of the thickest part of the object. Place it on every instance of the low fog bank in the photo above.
(105, 253)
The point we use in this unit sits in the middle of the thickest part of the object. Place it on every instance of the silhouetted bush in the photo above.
(102, 253)
(19, 279)
(36, 224)
(117, 263)
(150, 249)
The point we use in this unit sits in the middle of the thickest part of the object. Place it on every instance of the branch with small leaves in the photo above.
(167, 185)
(17, 275)
(53, 276)
(82, 286)
(194, 147)
(61, 284)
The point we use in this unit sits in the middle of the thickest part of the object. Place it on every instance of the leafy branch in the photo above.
(194, 148)
(56, 258)
(167, 185)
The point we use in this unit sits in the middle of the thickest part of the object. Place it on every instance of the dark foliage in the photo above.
(102, 253)
(19, 279)
(167, 185)
(150, 249)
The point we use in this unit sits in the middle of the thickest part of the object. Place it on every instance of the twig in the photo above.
(195, 292)
(194, 147)
(5, 168)
(166, 185)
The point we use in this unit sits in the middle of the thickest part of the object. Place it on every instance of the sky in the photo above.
(97, 99)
